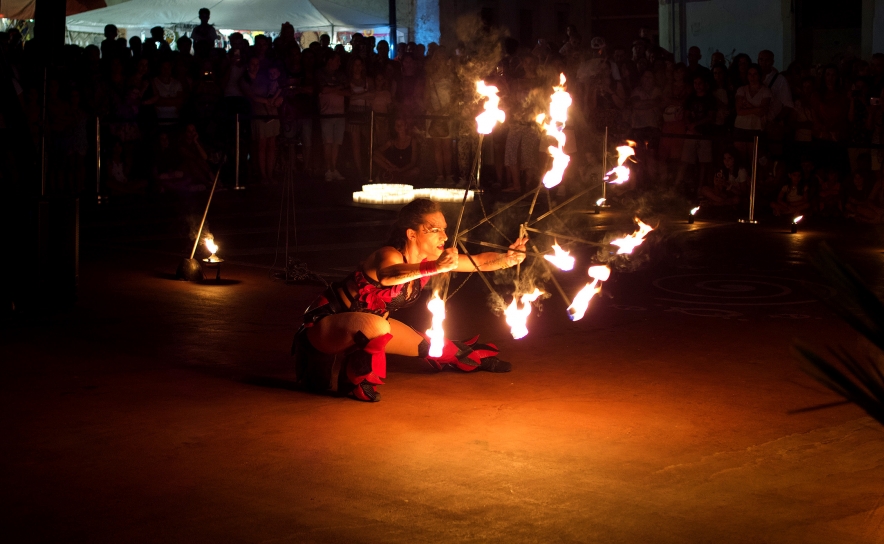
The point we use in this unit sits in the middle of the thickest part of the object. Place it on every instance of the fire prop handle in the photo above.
(199, 233)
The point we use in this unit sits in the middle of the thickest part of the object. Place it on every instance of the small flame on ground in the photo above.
(517, 317)
(632, 241)
(598, 273)
(695, 210)
(600, 201)
(436, 333)
(621, 172)
(492, 115)
(797, 219)
(211, 246)
(559, 103)
(561, 258)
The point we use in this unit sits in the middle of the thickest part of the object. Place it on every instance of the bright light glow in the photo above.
(561, 258)
(492, 115)
(600, 201)
(577, 309)
(797, 219)
(559, 103)
(621, 172)
(211, 246)
(598, 273)
(395, 193)
(436, 333)
(695, 210)
(632, 241)
(517, 317)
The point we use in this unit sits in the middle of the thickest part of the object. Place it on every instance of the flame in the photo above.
(492, 115)
(797, 219)
(211, 246)
(560, 258)
(436, 333)
(695, 210)
(517, 317)
(577, 309)
(559, 103)
(632, 241)
(624, 152)
(600, 201)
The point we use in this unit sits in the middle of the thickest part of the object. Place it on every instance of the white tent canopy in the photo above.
(267, 15)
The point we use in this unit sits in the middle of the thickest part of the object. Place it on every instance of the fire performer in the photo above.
(347, 330)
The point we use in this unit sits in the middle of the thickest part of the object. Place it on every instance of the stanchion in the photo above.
(237, 186)
(603, 203)
(751, 220)
(98, 196)
(371, 147)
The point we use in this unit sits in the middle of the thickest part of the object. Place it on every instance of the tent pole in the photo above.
(393, 39)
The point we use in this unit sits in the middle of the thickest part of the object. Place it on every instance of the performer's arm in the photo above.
(490, 261)
(391, 269)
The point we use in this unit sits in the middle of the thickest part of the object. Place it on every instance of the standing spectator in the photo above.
(439, 89)
(700, 109)
(724, 95)
(333, 89)
(168, 95)
(108, 45)
(694, 67)
(752, 101)
(410, 88)
(647, 103)
(204, 32)
(739, 70)
(781, 104)
(265, 97)
(605, 101)
(803, 116)
(674, 94)
(360, 93)
(158, 37)
(858, 112)
(831, 110)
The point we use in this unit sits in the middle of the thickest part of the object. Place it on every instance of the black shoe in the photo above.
(366, 392)
(493, 364)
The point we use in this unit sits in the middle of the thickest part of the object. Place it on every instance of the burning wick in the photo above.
(517, 317)
(213, 248)
(632, 241)
(492, 115)
(600, 201)
(795, 223)
(692, 214)
(561, 258)
(621, 172)
(436, 333)
(559, 103)
(577, 309)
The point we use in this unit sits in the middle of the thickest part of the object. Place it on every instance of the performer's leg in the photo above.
(467, 355)
(364, 338)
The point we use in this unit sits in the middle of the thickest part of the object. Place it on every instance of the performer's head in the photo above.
(420, 226)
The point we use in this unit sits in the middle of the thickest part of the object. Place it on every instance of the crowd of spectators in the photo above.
(167, 115)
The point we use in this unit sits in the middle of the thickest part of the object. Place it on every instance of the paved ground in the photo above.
(158, 410)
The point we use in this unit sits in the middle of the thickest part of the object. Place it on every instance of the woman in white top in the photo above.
(753, 101)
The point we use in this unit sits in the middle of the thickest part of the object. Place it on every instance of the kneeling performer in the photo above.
(347, 330)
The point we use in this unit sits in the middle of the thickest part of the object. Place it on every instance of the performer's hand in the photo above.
(448, 260)
(516, 257)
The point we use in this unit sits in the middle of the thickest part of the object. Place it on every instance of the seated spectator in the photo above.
(168, 174)
(397, 159)
(729, 184)
(792, 199)
(870, 210)
(828, 202)
(118, 176)
(857, 195)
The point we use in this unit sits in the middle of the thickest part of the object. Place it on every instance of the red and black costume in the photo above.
(361, 369)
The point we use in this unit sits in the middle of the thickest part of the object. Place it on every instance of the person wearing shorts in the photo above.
(700, 108)
(333, 89)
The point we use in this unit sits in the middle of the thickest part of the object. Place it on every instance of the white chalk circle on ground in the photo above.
(706, 312)
(740, 290)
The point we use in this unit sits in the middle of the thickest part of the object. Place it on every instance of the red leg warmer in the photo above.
(466, 355)
(367, 366)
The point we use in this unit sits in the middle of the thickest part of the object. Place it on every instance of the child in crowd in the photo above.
(729, 184)
(792, 199)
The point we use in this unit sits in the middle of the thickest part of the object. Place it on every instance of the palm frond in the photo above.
(860, 381)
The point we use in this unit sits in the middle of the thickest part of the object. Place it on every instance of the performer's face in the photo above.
(430, 236)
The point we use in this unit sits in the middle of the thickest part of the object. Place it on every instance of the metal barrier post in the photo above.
(100, 199)
(237, 186)
(371, 148)
(604, 201)
(751, 219)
